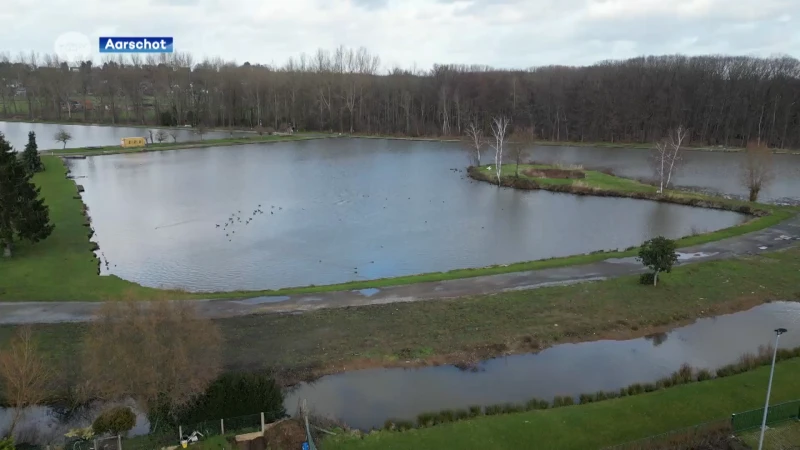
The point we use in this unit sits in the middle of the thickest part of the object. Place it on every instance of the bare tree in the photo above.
(473, 142)
(200, 130)
(520, 140)
(667, 156)
(160, 353)
(174, 135)
(757, 169)
(499, 128)
(24, 373)
(161, 136)
(62, 135)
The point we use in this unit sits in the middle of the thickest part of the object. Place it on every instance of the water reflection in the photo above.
(366, 398)
(340, 210)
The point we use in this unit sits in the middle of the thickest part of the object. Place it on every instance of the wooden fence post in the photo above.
(222, 426)
(263, 426)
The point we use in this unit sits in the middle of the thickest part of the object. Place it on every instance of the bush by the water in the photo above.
(658, 254)
(231, 395)
(6, 444)
(117, 420)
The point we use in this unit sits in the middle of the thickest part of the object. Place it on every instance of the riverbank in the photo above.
(601, 424)
(115, 149)
(469, 329)
(621, 145)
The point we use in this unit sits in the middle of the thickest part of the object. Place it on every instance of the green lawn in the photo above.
(254, 139)
(782, 437)
(596, 425)
(62, 267)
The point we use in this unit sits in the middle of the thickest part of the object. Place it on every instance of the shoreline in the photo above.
(544, 143)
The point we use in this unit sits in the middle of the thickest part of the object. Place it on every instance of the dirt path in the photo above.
(768, 239)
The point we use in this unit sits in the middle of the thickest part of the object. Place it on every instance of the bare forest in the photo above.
(721, 100)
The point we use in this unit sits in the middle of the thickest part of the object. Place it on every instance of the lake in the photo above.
(90, 135)
(366, 398)
(267, 216)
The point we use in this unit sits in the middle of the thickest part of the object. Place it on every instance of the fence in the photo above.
(209, 428)
(707, 432)
(681, 438)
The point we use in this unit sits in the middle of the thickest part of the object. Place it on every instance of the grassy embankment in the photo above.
(62, 268)
(468, 329)
(596, 425)
(254, 139)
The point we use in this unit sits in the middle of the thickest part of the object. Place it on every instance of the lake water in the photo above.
(318, 212)
(717, 171)
(89, 135)
(366, 398)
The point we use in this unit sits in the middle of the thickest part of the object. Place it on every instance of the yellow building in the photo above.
(134, 142)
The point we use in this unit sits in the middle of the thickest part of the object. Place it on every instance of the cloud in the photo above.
(501, 33)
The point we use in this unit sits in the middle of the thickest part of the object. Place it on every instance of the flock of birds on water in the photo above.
(237, 219)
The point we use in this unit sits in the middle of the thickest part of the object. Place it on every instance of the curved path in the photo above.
(780, 236)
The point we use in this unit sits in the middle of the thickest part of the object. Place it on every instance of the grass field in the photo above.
(782, 437)
(595, 425)
(473, 328)
(254, 139)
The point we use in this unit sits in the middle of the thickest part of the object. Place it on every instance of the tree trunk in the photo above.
(7, 251)
(754, 194)
(655, 278)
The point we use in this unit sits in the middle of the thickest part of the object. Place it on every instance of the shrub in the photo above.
(600, 396)
(6, 444)
(612, 394)
(425, 419)
(475, 411)
(535, 403)
(559, 401)
(403, 425)
(509, 408)
(445, 416)
(649, 387)
(658, 255)
(462, 414)
(647, 278)
(585, 398)
(685, 374)
(493, 410)
(635, 389)
(237, 394)
(703, 375)
(623, 392)
(388, 425)
(117, 420)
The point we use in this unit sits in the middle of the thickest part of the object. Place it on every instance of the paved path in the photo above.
(768, 239)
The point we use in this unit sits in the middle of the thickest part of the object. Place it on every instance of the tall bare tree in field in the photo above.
(160, 353)
(499, 128)
(24, 373)
(474, 142)
(520, 140)
(667, 156)
(757, 169)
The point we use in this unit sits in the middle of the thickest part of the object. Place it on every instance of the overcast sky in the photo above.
(500, 33)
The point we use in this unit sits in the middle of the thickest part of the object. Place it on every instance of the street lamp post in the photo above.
(778, 334)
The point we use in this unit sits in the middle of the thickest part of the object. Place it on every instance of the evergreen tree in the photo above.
(30, 157)
(23, 214)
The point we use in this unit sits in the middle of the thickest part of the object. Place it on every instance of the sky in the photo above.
(414, 33)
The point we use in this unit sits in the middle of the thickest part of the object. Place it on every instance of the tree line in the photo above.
(721, 100)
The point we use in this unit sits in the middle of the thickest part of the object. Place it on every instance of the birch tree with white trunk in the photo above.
(474, 142)
(667, 156)
(499, 128)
